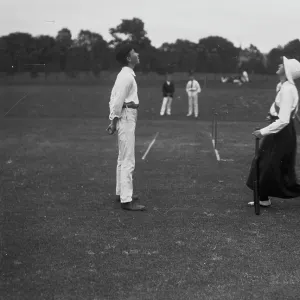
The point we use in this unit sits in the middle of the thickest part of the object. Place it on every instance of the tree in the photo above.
(187, 54)
(132, 31)
(221, 54)
(179, 56)
(3, 44)
(96, 48)
(292, 49)
(89, 51)
(166, 58)
(252, 60)
(5, 59)
(44, 47)
(274, 59)
(19, 47)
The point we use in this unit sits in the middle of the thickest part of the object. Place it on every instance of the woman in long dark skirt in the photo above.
(277, 152)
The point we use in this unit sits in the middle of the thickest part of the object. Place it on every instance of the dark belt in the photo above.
(270, 118)
(131, 105)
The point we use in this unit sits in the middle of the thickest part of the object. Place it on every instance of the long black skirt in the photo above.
(276, 164)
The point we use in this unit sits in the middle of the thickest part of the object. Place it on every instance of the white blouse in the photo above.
(287, 100)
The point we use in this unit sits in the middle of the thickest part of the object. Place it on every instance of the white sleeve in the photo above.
(273, 110)
(198, 88)
(187, 87)
(286, 105)
(119, 94)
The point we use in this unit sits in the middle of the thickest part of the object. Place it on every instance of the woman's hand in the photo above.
(257, 134)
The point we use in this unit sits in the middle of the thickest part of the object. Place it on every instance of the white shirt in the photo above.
(124, 90)
(287, 100)
(278, 87)
(273, 111)
(195, 87)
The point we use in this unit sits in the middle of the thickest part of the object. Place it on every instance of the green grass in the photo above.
(232, 102)
(64, 237)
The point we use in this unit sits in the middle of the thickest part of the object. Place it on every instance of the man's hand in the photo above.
(112, 127)
(257, 134)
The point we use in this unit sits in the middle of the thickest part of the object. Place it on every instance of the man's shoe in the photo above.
(132, 206)
(261, 203)
(134, 198)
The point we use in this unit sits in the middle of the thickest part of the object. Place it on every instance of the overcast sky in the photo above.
(264, 23)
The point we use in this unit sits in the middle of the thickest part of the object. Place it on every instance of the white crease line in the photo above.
(149, 147)
(16, 104)
(217, 155)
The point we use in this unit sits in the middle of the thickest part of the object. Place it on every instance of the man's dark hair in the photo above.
(122, 54)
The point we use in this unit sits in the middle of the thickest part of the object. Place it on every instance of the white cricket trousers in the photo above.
(193, 104)
(166, 104)
(126, 158)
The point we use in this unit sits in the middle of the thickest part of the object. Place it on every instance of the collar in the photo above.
(128, 70)
(287, 83)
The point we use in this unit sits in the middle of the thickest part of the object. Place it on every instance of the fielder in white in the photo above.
(193, 89)
(123, 105)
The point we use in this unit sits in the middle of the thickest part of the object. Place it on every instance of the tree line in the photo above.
(90, 52)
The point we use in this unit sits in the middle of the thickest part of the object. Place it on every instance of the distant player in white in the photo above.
(168, 90)
(245, 77)
(193, 89)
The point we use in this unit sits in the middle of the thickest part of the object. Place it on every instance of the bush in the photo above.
(96, 70)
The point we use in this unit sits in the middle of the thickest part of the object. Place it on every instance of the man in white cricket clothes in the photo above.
(193, 89)
(123, 105)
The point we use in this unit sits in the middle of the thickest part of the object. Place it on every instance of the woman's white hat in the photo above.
(292, 69)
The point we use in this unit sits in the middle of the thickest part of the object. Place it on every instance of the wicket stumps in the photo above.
(214, 129)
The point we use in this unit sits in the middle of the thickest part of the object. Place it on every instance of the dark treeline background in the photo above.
(21, 52)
